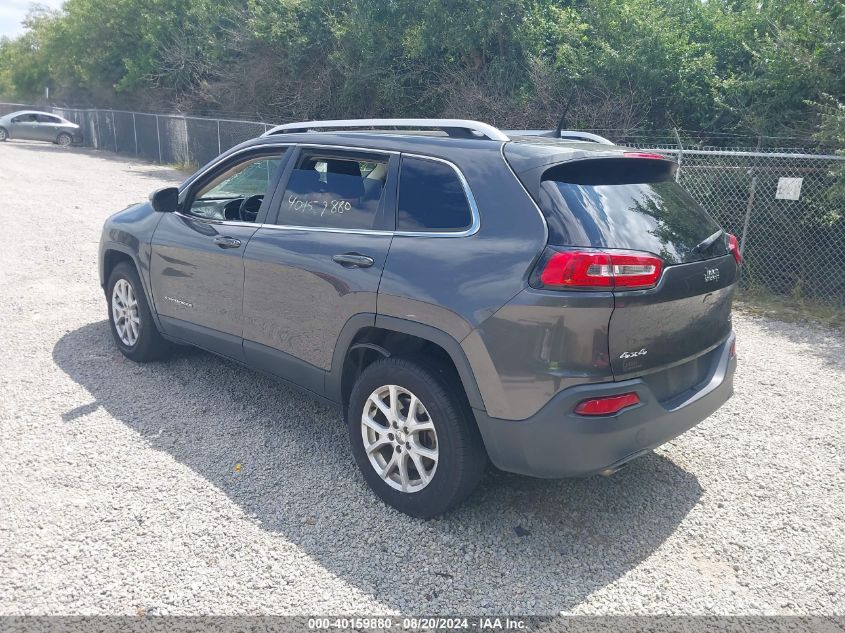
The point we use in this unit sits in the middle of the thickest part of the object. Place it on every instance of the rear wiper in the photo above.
(707, 242)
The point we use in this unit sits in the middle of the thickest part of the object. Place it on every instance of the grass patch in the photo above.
(789, 309)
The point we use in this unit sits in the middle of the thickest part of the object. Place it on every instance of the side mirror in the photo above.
(165, 200)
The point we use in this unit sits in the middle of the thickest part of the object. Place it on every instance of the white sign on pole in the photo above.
(789, 189)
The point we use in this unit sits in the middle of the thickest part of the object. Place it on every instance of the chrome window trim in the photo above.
(474, 227)
(197, 218)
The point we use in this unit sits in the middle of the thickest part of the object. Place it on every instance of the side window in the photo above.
(235, 192)
(334, 189)
(431, 198)
(46, 118)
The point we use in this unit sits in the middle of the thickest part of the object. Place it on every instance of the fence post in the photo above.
(187, 145)
(680, 155)
(219, 151)
(158, 136)
(751, 192)
(135, 133)
(114, 130)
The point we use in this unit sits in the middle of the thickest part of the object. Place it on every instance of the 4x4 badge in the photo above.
(711, 274)
(642, 352)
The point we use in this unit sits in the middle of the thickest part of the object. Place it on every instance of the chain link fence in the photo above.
(786, 207)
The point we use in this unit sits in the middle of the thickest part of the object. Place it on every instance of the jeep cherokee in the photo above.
(552, 303)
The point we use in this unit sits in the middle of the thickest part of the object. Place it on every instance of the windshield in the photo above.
(627, 203)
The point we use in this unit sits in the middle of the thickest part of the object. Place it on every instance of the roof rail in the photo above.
(570, 135)
(461, 128)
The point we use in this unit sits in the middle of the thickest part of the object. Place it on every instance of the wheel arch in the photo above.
(366, 337)
(113, 253)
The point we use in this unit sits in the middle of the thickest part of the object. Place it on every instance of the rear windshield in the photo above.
(627, 203)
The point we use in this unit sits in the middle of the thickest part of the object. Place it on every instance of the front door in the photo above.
(318, 262)
(196, 265)
(26, 127)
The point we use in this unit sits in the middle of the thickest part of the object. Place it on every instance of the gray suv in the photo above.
(547, 302)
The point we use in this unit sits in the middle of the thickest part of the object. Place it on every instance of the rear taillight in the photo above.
(733, 348)
(607, 405)
(733, 247)
(597, 270)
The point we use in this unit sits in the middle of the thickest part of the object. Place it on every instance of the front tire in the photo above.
(130, 320)
(413, 437)
(4, 134)
(64, 139)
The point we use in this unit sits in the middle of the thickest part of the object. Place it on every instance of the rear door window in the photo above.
(431, 198)
(335, 189)
(626, 203)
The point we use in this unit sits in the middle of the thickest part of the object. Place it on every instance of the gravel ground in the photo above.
(194, 486)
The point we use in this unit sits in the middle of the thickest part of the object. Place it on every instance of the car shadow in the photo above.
(519, 545)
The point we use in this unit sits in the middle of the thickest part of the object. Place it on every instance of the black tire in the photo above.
(4, 134)
(64, 139)
(149, 344)
(462, 459)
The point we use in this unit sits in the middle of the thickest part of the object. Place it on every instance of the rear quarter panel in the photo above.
(456, 283)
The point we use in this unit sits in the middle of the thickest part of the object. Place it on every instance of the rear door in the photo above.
(634, 204)
(319, 261)
(49, 127)
(196, 265)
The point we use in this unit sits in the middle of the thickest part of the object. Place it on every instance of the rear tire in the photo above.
(64, 139)
(4, 134)
(437, 444)
(130, 320)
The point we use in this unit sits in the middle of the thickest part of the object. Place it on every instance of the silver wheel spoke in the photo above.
(418, 427)
(422, 451)
(394, 403)
(403, 470)
(411, 418)
(366, 420)
(419, 466)
(383, 408)
(382, 441)
(389, 466)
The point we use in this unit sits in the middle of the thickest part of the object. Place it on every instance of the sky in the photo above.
(12, 13)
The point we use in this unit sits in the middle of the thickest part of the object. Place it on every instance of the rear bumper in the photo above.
(557, 443)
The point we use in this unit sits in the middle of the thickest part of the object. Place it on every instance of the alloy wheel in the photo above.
(125, 314)
(399, 438)
(64, 140)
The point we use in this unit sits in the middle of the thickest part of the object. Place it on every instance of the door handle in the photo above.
(227, 242)
(353, 260)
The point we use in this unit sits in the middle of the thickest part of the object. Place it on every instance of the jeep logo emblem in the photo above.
(711, 274)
